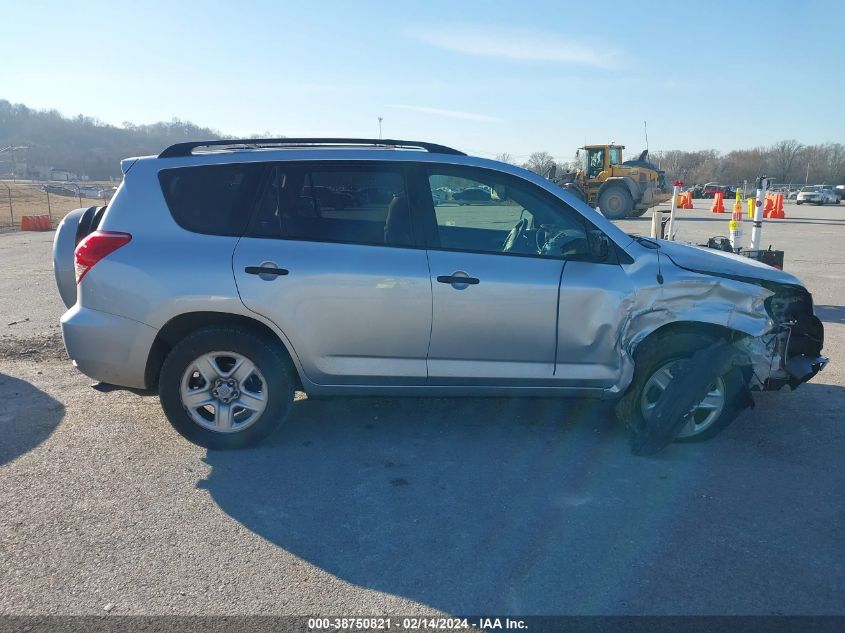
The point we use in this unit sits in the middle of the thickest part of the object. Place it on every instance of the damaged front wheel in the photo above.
(660, 361)
(704, 415)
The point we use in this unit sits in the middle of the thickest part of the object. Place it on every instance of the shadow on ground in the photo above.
(27, 418)
(536, 507)
(830, 314)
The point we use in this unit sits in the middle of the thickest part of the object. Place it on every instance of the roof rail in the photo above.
(187, 149)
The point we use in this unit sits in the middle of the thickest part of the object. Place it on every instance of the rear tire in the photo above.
(224, 387)
(653, 356)
(615, 203)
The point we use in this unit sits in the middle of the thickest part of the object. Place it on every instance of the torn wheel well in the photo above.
(716, 332)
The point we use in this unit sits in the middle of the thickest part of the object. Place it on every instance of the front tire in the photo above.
(615, 203)
(654, 360)
(225, 387)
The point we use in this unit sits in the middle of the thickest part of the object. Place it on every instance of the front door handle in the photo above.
(458, 278)
(267, 271)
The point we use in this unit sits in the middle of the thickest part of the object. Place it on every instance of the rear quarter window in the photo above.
(212, 199)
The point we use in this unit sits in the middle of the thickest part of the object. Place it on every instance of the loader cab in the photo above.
(598, 158)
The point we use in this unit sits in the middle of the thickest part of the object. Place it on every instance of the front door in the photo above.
(495, 288)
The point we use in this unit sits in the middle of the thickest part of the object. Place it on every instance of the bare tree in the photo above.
(540, 162)
(505, 158)
(782, 156)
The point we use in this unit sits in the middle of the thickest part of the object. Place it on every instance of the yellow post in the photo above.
(735, 225)
(751, 208)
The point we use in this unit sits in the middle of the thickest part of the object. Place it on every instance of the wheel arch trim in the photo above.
(180, 325)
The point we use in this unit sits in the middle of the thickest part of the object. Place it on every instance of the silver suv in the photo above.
(229, 274)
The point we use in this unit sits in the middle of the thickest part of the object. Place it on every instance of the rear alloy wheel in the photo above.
(225, 387)
(224, 392)
(615, 203)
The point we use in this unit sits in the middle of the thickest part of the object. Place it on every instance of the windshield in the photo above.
(808, 189)
(595, 162)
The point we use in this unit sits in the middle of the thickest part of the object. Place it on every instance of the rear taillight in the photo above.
(94, 247)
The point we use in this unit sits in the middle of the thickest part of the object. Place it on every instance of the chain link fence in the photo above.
(56, 199)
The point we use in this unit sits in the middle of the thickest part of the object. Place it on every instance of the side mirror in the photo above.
(599, 245)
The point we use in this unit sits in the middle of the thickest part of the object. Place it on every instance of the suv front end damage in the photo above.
(790, 354)
(769, 315)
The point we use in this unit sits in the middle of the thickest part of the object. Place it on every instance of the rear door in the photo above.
(334, 260)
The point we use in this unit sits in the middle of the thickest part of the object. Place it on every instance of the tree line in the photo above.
(786, 161)
(86, 146)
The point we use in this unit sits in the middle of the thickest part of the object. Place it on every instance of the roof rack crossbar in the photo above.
(186, 149)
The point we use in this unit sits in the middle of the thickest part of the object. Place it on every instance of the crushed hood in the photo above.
(708, 260)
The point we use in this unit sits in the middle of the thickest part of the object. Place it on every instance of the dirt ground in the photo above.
(408, 506)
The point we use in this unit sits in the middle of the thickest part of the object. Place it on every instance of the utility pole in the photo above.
(12, 148)
(379, 127)
(9, 193)
(807, 179)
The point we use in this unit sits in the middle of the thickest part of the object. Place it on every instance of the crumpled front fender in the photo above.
(687, 297)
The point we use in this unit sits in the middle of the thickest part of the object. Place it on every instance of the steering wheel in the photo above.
(516, 235)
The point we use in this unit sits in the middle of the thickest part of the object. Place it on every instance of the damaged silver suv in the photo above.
(229, 274)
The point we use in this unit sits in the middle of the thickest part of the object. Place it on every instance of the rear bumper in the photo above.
(107, 347)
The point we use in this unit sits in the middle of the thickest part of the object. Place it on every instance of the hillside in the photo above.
(81, 145)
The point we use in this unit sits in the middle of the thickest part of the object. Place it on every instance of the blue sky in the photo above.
(486, 77)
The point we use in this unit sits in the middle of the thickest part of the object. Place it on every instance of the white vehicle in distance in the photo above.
(817, 194)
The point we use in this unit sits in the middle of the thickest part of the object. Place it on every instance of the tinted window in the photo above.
(213, 199)
(481, 210)
(366, 205)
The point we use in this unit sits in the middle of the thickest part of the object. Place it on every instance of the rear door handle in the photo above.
(458, 279)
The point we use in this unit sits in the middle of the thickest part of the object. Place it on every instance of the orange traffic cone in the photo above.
(718, 202)
(769, 207)
(778, 212)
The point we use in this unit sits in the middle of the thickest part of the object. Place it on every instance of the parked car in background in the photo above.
(839, 190)
(817, 194)
(228, 280)
(472, 194)
(711, 189)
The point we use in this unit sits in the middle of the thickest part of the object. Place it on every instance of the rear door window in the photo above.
(325, 203)
(212, 199)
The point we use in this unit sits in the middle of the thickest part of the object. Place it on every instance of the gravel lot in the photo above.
(407, 506)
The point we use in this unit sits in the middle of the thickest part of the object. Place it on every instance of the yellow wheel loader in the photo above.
(620, 189)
